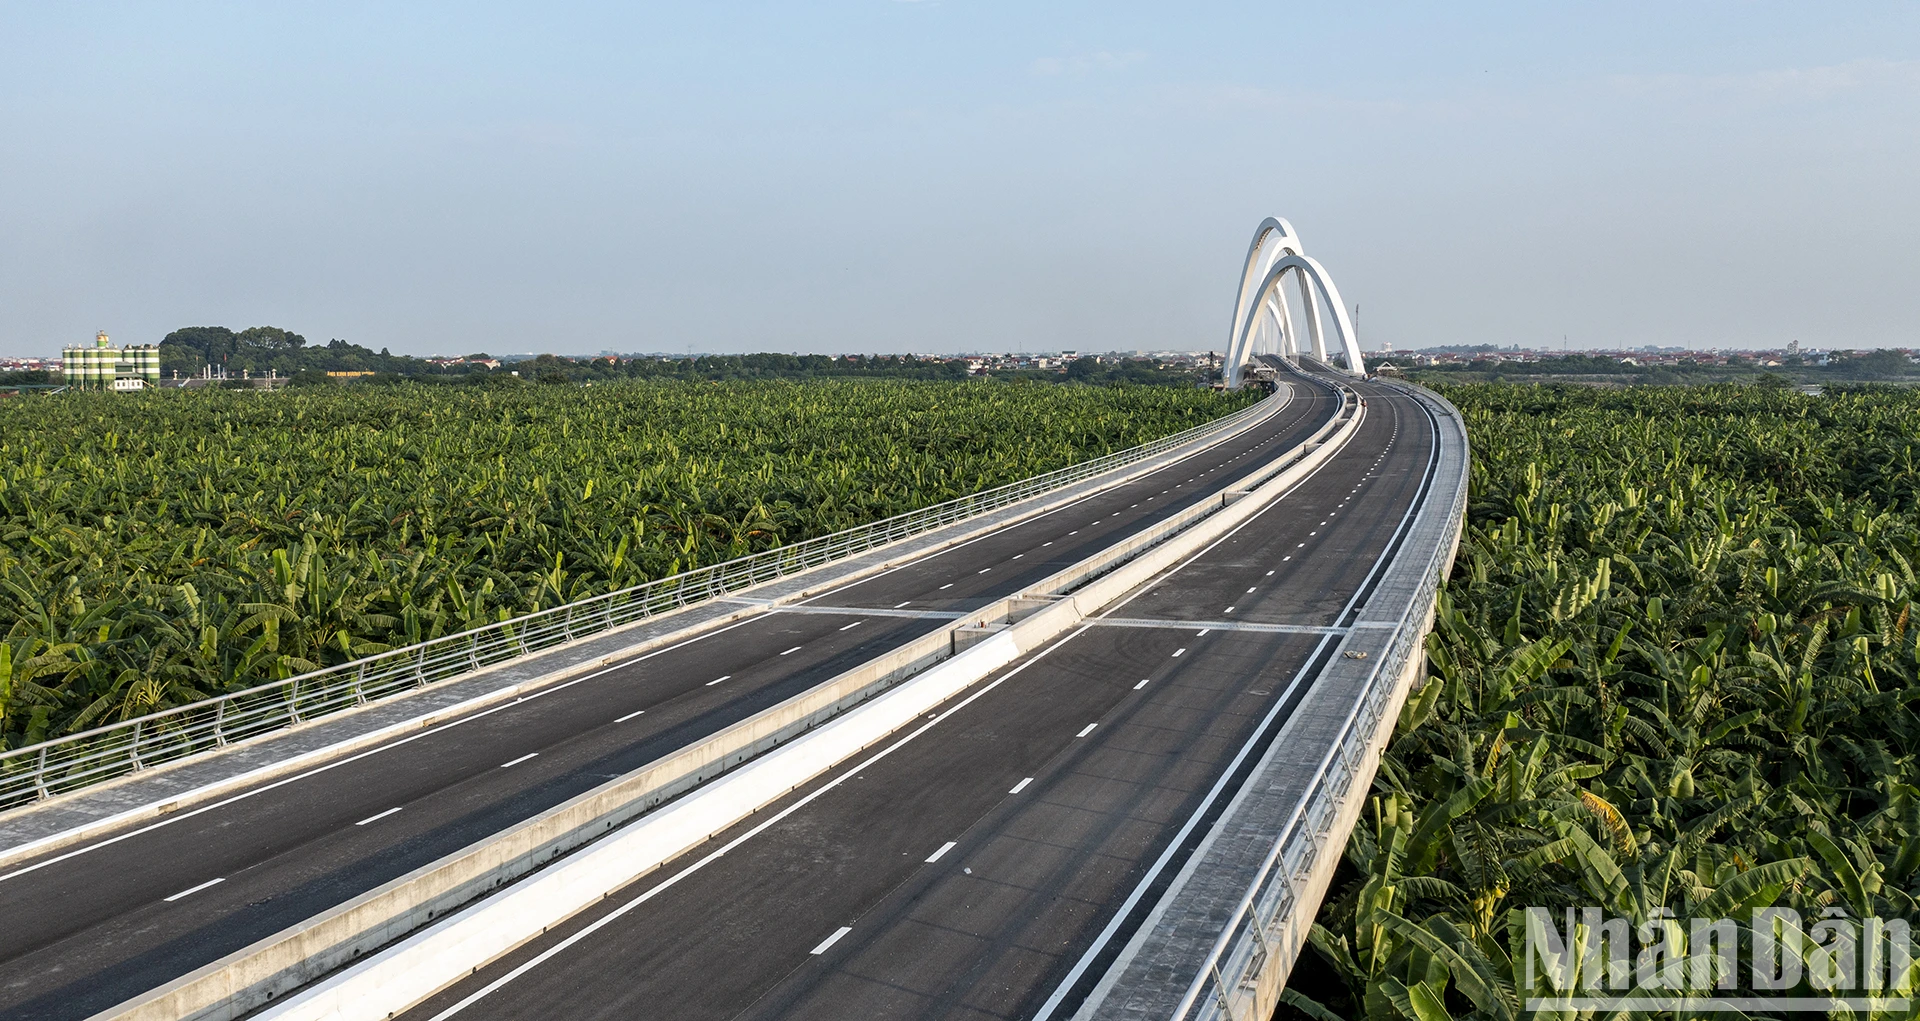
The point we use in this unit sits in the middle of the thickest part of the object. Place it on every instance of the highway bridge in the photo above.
(1092, 754)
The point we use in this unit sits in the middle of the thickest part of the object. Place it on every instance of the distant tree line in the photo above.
(269, 348)
(263, 348)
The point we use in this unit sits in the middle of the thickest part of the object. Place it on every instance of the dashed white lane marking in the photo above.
(1021, 786)
(523, 758)
(853, 625)
(1074, 532)
(1269, 574)
(1311, 534)
(831, 940)
(191, 890)
(1250, 589)
(630, 716)
(944, 848)
(1177, 653)
(791, 651)
(1088, 729)
(376, 818)
(1229, 609)
(1288, 557)
(948, 585)
(1049, 542)
(1017, 556)
(1142, 684)
(983, 570)
(1301, 546)
(718, 679)
(899, 605)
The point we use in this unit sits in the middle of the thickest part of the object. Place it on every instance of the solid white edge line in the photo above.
(831, 940)
(191, 890)
(937, 855)
(609, 917)
(377, 818)
(1106, 935)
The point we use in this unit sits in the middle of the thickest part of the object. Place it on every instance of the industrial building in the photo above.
(105, 367)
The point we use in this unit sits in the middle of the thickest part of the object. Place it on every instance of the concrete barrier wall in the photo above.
(286, 961)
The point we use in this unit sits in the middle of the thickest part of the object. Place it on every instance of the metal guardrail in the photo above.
(1252, 933)
(80, 760)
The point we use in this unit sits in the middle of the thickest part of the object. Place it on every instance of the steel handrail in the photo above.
(1234, 953)
(74, 761)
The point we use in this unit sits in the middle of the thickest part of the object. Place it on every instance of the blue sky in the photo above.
(886, 176)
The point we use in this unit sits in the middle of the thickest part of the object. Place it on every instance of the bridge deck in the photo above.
(1026, 874)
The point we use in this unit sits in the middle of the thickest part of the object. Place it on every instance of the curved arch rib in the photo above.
(1275, 253)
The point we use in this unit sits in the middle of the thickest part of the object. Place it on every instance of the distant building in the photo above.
(103, 366)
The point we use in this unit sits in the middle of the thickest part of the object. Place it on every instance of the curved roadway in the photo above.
(990, 863)
(95, 924)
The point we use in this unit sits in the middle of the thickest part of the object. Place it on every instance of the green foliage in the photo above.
(1675, 667)
(157, 551)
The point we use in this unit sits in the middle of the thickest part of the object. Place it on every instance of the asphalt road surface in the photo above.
(1004, 851)
(95, 924)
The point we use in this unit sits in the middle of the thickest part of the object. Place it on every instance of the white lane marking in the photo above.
(723, 677)
(948, 585)
(899, 605)
(376, 818)
(853, 625)
(1203, 631)
(944, 848)
(630, 716)
(831, 940)
(337, 763)
(1049, 542)
(1177, 653)
(191, 890)
(1142, 684)
(607, 919)
(1311, 534)
(1017, 556)
(1087, 730)
(983, 570)
(523, 758)
(791, 651)
(1074, 532)
(1269, 574)
(1021, 786)
(1286, 558)
(1301, 546)
(1229, 609)
(1252, 588)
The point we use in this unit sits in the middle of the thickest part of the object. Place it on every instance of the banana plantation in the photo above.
(1673, 677)
(158, 549)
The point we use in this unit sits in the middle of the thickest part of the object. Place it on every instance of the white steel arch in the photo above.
(1262, 319)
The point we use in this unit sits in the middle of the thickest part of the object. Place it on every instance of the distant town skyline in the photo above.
(891, 177)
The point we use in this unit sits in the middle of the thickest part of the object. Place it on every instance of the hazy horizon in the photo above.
(892, 177)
